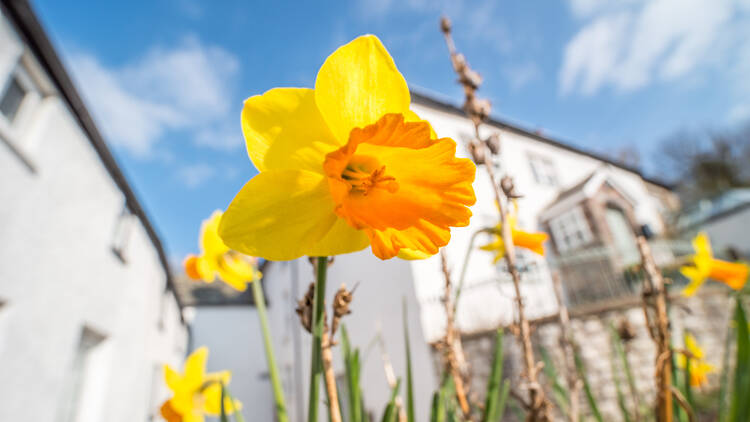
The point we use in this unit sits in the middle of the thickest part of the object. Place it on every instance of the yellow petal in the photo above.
(195, 367)
(341, 239)
(696, 280)
(357, 85)
(172, 378)
(212, 403)
(412, 254)
(702, 245)
(692, 346)
(411, 116)
(284, 130)
(211, 243)
(236, 271)
(279, 215)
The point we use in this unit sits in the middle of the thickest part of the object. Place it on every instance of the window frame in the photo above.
(571, 230)
(543, 170)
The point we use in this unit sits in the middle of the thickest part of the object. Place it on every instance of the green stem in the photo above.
(466, 265)
(318, 324)
(278, 391)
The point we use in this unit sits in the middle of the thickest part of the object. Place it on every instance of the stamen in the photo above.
(362, 181)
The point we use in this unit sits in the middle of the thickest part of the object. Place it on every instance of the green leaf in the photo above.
(409, 379)
(724, 377)
(351, 365)
(223, 415)
(493, 383)
(587, 387)
(620, 351)
(559, 391)
(503, 398)
(740, 407)
(391, 413)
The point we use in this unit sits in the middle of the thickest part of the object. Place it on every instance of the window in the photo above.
(12, 98)
(570, 230)
(85, 383)
(543, 170)
(123, 229)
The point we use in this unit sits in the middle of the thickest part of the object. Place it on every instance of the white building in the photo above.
(582, 199)
(87, 313)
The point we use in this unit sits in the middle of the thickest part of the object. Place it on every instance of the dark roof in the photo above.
(429, 101)
(33, 34)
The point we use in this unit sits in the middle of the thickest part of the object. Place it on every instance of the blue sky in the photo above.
(166, 79)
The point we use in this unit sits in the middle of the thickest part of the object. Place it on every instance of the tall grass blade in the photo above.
(559, 391)
(619, 355)
(223, 413)
(724, 377)
(391, 413)
(740, 408)
(493, 383)
(587, 388)
(620, 351)
(503, 398)
(409, 378)
(351, 365)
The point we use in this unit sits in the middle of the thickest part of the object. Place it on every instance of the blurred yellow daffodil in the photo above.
(699, 368)
(704, 265)
(217, 259)
(347, 165)
(196, 393)
(531, 241)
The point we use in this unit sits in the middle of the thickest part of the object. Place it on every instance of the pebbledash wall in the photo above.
(706, 315)
(86, 316)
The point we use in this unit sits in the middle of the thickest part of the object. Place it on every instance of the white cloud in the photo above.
(221, 137)
(194, 175)
(519, 75)
(185, 87)
(628, 45)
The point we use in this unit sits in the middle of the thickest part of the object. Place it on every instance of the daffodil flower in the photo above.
(217, 259)
(196, 393)
(699, 368)
(704, 266)
(347, 165)
(531, 241)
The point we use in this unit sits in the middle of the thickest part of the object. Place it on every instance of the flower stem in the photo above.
(278, 392)
(461, 279)
(318, 325)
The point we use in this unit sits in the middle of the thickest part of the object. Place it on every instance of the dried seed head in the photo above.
(445, 25)
(305, 307)
(493, 143)
(509, 188)
(341, 306)
(477, 152)
(625, 330)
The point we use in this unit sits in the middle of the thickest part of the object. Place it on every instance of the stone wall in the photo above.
(706, 316)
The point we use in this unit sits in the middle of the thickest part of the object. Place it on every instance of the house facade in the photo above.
(579, 198)
(88, 315)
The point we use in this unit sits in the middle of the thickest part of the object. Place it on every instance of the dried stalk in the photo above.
(326, 356)
(478, 110)
(568, 346)
(451, 341)
(654, 296)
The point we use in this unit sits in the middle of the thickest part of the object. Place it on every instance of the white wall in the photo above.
(377, 303)
(58, 275)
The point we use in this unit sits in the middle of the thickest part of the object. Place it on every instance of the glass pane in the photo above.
(11, 100)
